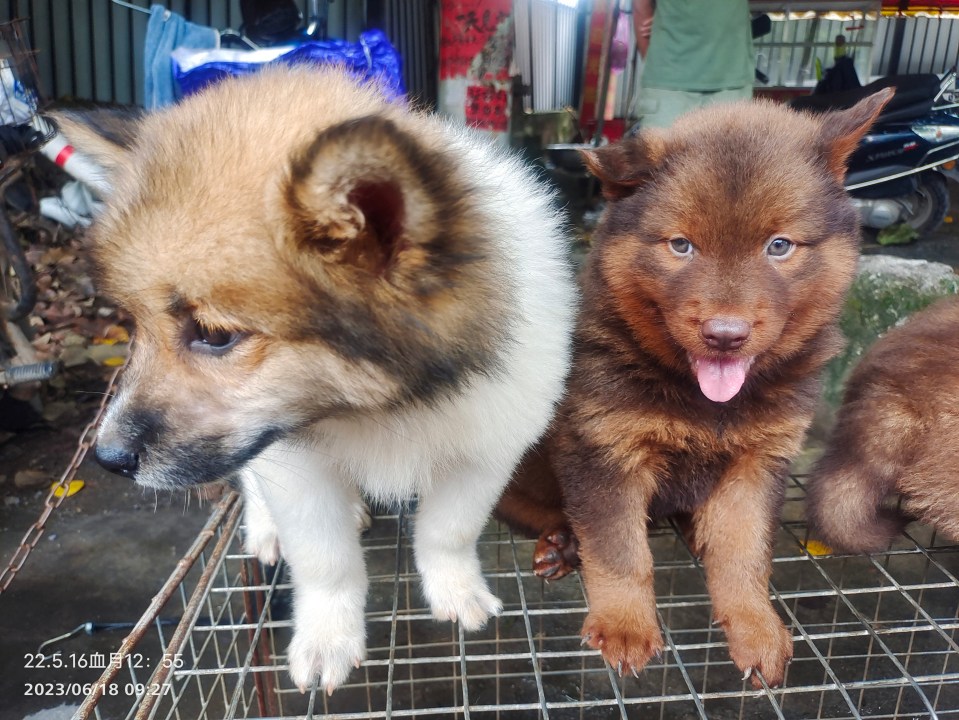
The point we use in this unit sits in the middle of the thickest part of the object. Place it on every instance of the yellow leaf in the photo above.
(112, 335)
(117, 333)
(818, 549)
(114, 361)
(72, 488)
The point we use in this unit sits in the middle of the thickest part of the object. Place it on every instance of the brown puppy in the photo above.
(710, 305)
(896, 432)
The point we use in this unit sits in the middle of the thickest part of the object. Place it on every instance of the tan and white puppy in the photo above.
(334, 296)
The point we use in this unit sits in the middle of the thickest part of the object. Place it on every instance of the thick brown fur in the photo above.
(636, 438)
(897, 431)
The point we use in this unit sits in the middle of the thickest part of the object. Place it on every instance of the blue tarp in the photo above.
(372, 58)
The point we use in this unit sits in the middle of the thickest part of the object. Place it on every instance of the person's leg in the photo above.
(724, 96)
(658, 108)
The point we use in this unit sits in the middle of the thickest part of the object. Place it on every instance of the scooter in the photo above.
(899, 172)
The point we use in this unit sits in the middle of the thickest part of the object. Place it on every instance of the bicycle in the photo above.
(19, 102)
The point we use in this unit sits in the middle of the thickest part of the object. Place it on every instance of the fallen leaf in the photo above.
(818, 549)
(72, 488)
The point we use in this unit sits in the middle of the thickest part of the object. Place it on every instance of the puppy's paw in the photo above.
(262, 542)
(556, 554)
(762, 643)
(626, 643)
(468, 602)
(322, 650)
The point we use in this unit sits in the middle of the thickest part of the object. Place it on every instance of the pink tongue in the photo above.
(721, 379)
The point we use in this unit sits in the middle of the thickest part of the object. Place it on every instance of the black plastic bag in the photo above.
(270, 21)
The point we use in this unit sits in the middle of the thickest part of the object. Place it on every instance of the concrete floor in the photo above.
(941, 246)
(105, 552)
(109, 548)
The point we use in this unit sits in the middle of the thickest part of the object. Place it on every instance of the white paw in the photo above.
(325, 650)
(469, 603)
(263, 543)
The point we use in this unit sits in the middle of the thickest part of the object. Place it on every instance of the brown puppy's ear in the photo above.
(843, 130)
(105, 135)
(627, 164)
(363, 191)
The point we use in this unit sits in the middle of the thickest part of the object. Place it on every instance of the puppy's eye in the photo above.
(681, 246)
(780, 248)
(205, 340)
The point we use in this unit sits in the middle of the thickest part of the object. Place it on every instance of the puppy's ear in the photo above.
(364, 193)
(842, 131)
(105, 135)
(624, 166)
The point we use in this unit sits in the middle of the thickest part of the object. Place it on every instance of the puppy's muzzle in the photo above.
(725, 333)
(118, 457)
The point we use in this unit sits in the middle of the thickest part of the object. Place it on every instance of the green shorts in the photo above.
(658, 108)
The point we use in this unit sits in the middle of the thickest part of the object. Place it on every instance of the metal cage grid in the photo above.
(874, 637)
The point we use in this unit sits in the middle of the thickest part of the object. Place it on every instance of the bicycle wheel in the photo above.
(18, 293)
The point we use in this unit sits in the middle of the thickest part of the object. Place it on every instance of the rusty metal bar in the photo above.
(254, 606)
(227, 507)
(192, 609)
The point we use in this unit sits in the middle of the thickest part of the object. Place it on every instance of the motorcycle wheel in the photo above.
(928, 206)
(17, 291)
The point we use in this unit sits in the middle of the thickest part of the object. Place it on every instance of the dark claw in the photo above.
(555, 555)
(545, 572)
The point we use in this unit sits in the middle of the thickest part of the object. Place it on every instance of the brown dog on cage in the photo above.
(710, 304)
(896, 432)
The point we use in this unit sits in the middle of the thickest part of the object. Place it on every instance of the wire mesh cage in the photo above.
(874, 637)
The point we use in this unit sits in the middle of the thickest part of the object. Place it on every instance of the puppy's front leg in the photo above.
(451, 516)
(617, 568)
(260, 536)
(316, 521)
(733, 530)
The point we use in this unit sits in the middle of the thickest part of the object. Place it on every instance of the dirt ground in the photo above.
(107, 549)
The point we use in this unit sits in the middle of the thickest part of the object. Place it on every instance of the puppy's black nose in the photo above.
(118, 458)
(725, 333)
